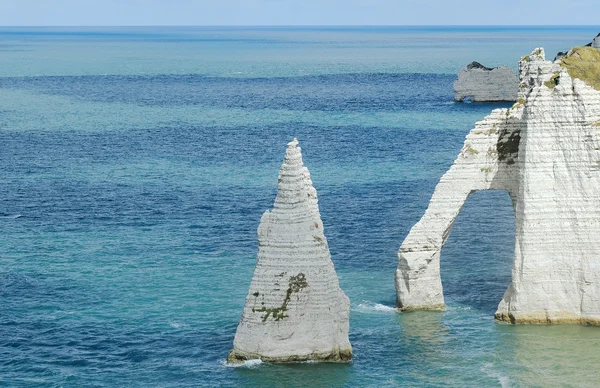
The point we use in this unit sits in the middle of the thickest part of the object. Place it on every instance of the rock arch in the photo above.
(545, 151)
(487, 161)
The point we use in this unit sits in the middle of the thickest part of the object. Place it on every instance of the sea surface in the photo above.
(135, 164)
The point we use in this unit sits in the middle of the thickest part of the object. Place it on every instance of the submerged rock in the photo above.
(295, 309)
(484, 84)
(545, 151)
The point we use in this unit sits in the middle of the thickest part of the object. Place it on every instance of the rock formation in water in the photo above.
(484, 84)
(545, 151)
(595, 43)
(295, 309)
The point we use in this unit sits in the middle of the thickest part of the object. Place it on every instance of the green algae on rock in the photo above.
(296, 284)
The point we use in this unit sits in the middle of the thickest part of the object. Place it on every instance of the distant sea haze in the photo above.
(135, 164)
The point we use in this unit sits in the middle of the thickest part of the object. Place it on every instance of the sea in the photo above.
(136, 162)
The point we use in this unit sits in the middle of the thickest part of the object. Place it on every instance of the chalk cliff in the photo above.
(295, 309)
(480, 83)
(545, 151)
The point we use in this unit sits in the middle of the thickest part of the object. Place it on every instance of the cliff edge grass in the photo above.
(583, 63)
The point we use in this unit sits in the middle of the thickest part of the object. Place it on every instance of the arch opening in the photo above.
(476, 260)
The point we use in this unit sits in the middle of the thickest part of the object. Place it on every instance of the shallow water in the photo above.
(135, 164)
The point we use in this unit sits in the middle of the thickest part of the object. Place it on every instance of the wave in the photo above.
(245, 364)
(11, 216)
(367, 307)
(456, 307)
(15, 282)
(176, 325)
(502, 379)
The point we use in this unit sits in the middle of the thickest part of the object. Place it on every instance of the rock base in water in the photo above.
(542, 318)
(341, 355)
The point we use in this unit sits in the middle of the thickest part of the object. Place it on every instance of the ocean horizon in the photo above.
(136, 162)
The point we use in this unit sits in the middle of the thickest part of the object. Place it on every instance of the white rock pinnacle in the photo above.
(295, 309)
(545, 151)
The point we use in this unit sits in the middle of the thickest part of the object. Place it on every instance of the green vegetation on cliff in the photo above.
(553, 81)
(583, 63)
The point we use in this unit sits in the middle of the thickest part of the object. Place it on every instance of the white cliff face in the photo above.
(480, 83)
(555, 186)
(556, 273)
(295, 309)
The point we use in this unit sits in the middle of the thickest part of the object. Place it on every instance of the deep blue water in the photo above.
(135, 164)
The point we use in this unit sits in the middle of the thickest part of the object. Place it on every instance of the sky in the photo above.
(297, 12)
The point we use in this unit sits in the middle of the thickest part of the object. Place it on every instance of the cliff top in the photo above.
(583, 63)
(477, 65)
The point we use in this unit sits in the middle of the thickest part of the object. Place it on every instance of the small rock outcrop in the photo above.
(483, 84)
(545, 151)
(559, 55)
(595, 43)
(295, 309)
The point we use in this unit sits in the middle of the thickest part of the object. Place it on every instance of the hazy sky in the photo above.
(297, 12)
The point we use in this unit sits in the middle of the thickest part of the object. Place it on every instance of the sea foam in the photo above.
(368, 307)
(245, 364)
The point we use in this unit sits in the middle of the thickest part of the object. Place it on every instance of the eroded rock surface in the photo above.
(545, 151)
(484, 84)
(295, 309)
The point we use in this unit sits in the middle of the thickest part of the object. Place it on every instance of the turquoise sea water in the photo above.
(135, 164)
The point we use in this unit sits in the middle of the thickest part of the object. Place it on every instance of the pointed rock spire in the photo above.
(295, 309)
